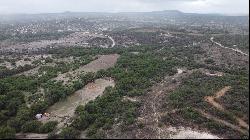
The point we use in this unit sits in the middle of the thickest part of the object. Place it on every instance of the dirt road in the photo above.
(150, 111)
(234, 127)
(219, 44)
(211, 100)
(113, 41)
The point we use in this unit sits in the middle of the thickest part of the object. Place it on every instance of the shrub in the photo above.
(7, 133)
(48, 60)
(48, 127)
(69, 133)
(52, 135)
(209, 61)
(31, 126)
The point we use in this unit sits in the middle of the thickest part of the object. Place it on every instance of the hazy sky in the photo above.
(51, 6)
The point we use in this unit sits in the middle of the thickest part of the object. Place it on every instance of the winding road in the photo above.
(113, 41)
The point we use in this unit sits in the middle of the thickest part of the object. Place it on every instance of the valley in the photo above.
(151, 75)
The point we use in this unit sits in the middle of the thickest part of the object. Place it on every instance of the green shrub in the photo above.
(52, 135)
(91, 131)
(31, 127)
(7, 133)
(209, 61)
(69, 133)
(48, 127)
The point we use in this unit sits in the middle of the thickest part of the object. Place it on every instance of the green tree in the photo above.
(31, 126)
(7, 133)
(70, 133)
(48, 127)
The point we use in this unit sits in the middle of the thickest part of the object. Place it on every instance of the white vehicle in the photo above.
(39, 116)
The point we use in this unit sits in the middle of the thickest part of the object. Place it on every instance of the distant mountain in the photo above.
(156, 16)
(169, 12)
(164, 13)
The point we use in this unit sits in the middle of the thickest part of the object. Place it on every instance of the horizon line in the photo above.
(114, 12)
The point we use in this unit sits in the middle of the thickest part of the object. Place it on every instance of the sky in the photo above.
(190, 6)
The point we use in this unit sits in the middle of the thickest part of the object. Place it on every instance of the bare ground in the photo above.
(217, 95)
(63, 111)
(103, 62)
(187, 133)
(31, 136)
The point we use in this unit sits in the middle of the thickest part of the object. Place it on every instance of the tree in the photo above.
(7, 133)
(31, 126)
(3, 88)
(48, 127)
(39, 107)
(15, 123)
(69, 133)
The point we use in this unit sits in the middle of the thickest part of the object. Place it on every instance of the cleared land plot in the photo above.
(62, 111)
(103, 62)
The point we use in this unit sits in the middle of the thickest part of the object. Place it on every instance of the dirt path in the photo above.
(158, 96)
(234, 127)
(150, 111)
(113, 41)
(219, 44)
(211, 100)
